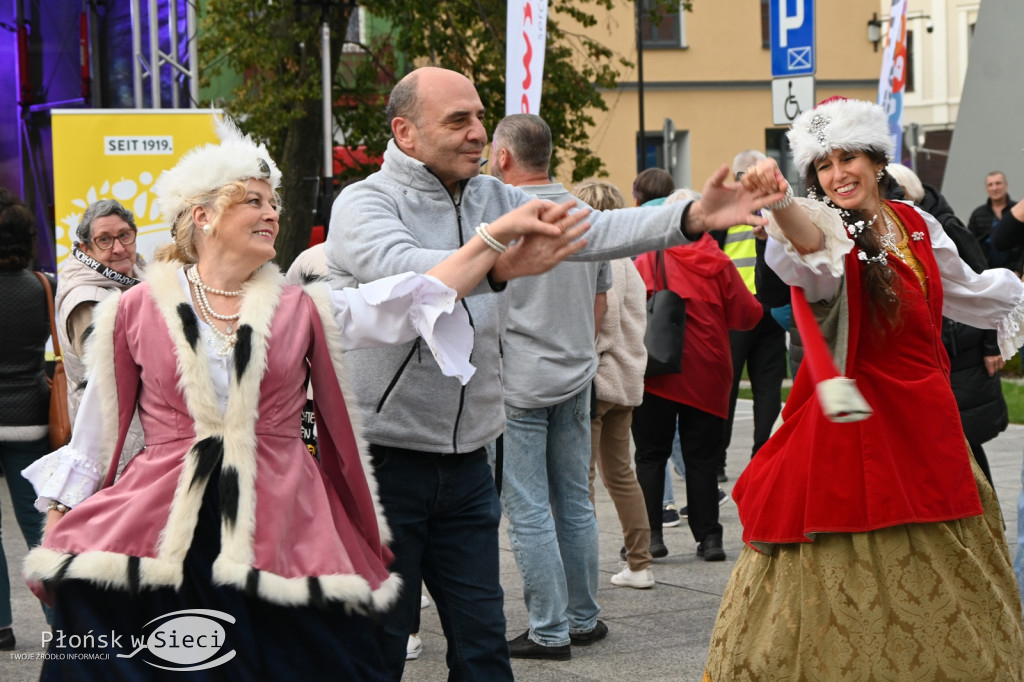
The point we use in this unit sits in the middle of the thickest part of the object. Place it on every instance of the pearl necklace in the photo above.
(229, 339)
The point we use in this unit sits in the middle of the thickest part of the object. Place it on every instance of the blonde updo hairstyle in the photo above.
(598, 194)
(212, 176)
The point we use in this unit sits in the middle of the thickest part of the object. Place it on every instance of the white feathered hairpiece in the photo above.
(838, 123)
(206, 168)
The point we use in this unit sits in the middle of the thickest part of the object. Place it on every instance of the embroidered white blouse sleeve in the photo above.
(72, 473)
(819, 273)
(401, 308)
(993, 299)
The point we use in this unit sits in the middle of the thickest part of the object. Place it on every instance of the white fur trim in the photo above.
(107, 569)
(41, 564)
(841, 124)
(320, 293)
(262, 294)
(206, 168)
(196, 386)
(841, 401)
(101, 355)
(348, 588)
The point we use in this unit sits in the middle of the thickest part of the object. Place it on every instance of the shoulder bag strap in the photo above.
(659, 265)
(49, 307)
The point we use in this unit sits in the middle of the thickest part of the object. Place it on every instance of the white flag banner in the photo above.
(894, 74)
(524, 57)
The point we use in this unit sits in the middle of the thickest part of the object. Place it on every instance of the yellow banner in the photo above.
(119, 154)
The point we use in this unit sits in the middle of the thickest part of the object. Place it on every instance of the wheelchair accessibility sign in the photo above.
(791, 97)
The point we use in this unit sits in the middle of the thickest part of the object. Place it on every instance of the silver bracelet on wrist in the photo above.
(783, 202)
(489, 240)
(57, 506)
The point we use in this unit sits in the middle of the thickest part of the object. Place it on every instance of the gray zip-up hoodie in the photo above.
(403, 219)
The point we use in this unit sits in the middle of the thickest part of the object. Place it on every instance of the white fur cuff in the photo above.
(841, 401)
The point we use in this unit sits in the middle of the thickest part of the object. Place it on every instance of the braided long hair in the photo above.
(879, 279)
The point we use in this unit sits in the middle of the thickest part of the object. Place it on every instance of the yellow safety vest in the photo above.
(741, 247)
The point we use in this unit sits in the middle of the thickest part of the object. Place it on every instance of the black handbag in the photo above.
(666, 323)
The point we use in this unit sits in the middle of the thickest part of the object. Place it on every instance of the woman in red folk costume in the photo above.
(224, 548)
(875, 546)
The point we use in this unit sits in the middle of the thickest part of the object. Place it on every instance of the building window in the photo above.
(776, 146)
(660, 27)
(651, 154)
(766, 25)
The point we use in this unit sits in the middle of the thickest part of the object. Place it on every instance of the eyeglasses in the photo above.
(106, 242)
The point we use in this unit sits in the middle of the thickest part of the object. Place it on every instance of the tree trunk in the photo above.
(300, 162)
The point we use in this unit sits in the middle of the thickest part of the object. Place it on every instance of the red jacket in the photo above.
(717, 300)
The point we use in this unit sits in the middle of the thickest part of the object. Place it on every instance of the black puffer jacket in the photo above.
(980, 397)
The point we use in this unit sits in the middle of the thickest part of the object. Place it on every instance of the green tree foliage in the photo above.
(276, 47)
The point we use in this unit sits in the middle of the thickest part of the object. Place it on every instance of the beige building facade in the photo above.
(709, 72)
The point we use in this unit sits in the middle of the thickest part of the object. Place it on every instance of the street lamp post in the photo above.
(641, 157)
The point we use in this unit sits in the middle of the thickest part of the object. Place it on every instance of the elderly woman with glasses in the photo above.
(103, 260)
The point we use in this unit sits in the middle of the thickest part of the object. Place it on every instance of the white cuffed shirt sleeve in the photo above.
(401, 308)
(819, 273)
(72, 473)
(992, 299)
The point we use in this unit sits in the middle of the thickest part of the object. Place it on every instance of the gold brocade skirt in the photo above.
(927, 602)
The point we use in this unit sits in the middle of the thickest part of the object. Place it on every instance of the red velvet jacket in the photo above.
(907, 463)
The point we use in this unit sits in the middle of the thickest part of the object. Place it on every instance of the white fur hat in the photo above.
(206, 168)
(838, 123)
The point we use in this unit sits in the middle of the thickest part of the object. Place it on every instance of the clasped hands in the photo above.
(540, 235)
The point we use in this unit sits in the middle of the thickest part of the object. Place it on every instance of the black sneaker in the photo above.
(711, 548)
(669, 516)
(658, 548)
(599, 632)
(524, 647)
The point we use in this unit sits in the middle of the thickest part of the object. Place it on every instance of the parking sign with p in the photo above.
(792, 37)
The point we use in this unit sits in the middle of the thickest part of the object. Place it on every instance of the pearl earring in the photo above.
(207, 229)
(881, 174)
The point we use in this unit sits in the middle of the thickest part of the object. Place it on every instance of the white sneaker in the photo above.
(640, 580)
(414, 648)
(424, 602)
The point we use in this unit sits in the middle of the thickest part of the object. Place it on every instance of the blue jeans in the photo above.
(443, 513)
(15, 456)
(552, 527)
(674, 460)
(1018, 561)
